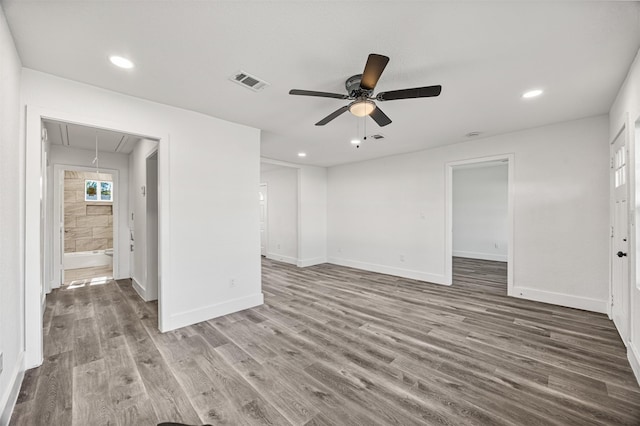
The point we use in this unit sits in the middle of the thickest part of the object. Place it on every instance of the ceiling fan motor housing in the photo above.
(353, 87)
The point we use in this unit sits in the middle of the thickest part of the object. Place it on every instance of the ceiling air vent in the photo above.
(249, 81)
(378, 136)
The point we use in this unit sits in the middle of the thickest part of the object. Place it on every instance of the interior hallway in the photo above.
(332, 345)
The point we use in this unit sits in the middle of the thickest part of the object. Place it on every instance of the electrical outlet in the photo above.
(278, 246)
(232, 282)
(402, 258)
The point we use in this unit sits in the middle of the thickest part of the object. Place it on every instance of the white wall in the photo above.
(383, 209)
(11, 223)
(626, 112)
(282, 214)
(313, 216)
(138, 206)
(73, 157)
(480, 198)
(208, 178)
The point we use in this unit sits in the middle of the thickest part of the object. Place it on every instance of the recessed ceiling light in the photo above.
(355, 141)
(121, 62)
(532, 93)
(302, 154)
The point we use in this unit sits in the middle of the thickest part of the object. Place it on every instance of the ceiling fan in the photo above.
(360, 91)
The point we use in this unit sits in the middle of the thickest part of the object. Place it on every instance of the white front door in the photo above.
(620, 235)
(263, 219)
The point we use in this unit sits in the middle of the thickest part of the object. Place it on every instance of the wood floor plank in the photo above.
(332, 346)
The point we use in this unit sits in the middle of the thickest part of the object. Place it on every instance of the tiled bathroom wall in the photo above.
(88, 225)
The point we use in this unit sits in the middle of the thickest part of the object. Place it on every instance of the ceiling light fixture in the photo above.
(302, 154)
(121, 62)
(355, 141)
(532, 93)
(362, 107)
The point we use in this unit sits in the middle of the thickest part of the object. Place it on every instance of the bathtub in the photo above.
(88, 259)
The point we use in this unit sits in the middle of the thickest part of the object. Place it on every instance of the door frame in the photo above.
(266, 219)
(58, 202)
(448, 251)
(34, 287)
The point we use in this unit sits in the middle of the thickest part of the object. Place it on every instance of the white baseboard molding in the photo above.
(142, 291)
(282, 258)
(570, 301)
(310, 262)
(10, 397)
(139, 289)
(481, 256)
(634, 359)
(391, 270)
(205, 313)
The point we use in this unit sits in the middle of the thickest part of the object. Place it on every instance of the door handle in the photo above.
(621, 254)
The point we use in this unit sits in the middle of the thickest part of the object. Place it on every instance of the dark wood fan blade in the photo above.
(333, 115)
(318, 94)
(373, 70)
(380, 117)
(416, 92)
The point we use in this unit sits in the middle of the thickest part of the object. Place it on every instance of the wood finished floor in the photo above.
(332, 346)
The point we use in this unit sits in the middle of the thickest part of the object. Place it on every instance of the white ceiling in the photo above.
(484, 54)
(83, 137)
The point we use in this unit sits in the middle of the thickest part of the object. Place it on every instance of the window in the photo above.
(98, 190)
(620, 167)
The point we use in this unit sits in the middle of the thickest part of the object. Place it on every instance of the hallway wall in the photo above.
(12, 219)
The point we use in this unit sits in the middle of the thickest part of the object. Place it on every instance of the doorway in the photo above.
(480, 234)
(40, 159)
(479, 239)
(86, 227)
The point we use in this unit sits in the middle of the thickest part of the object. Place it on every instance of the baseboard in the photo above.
(281, 258)
(481, 256)
(634, 359)
(8, 401)
(195, 316)
(139, 289)
(570, 301)
(310, 262)
(390, 270)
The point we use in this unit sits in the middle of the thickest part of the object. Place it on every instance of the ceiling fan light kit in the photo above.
(362, 108)
(360, 90)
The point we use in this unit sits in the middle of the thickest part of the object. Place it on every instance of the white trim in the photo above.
(142, 292)
(33, 230)
(8, 402)
(634, 360)
(390, 270)
(303, 263)
(481, 256)
(561, 299)
(266, 219)
(448, 229)
(281, 258)
(194, 316)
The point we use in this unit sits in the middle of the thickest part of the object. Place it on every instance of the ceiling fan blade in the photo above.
(333, 115)
(380, 117)
(373, 70)
(318, 94)
(416, 92)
